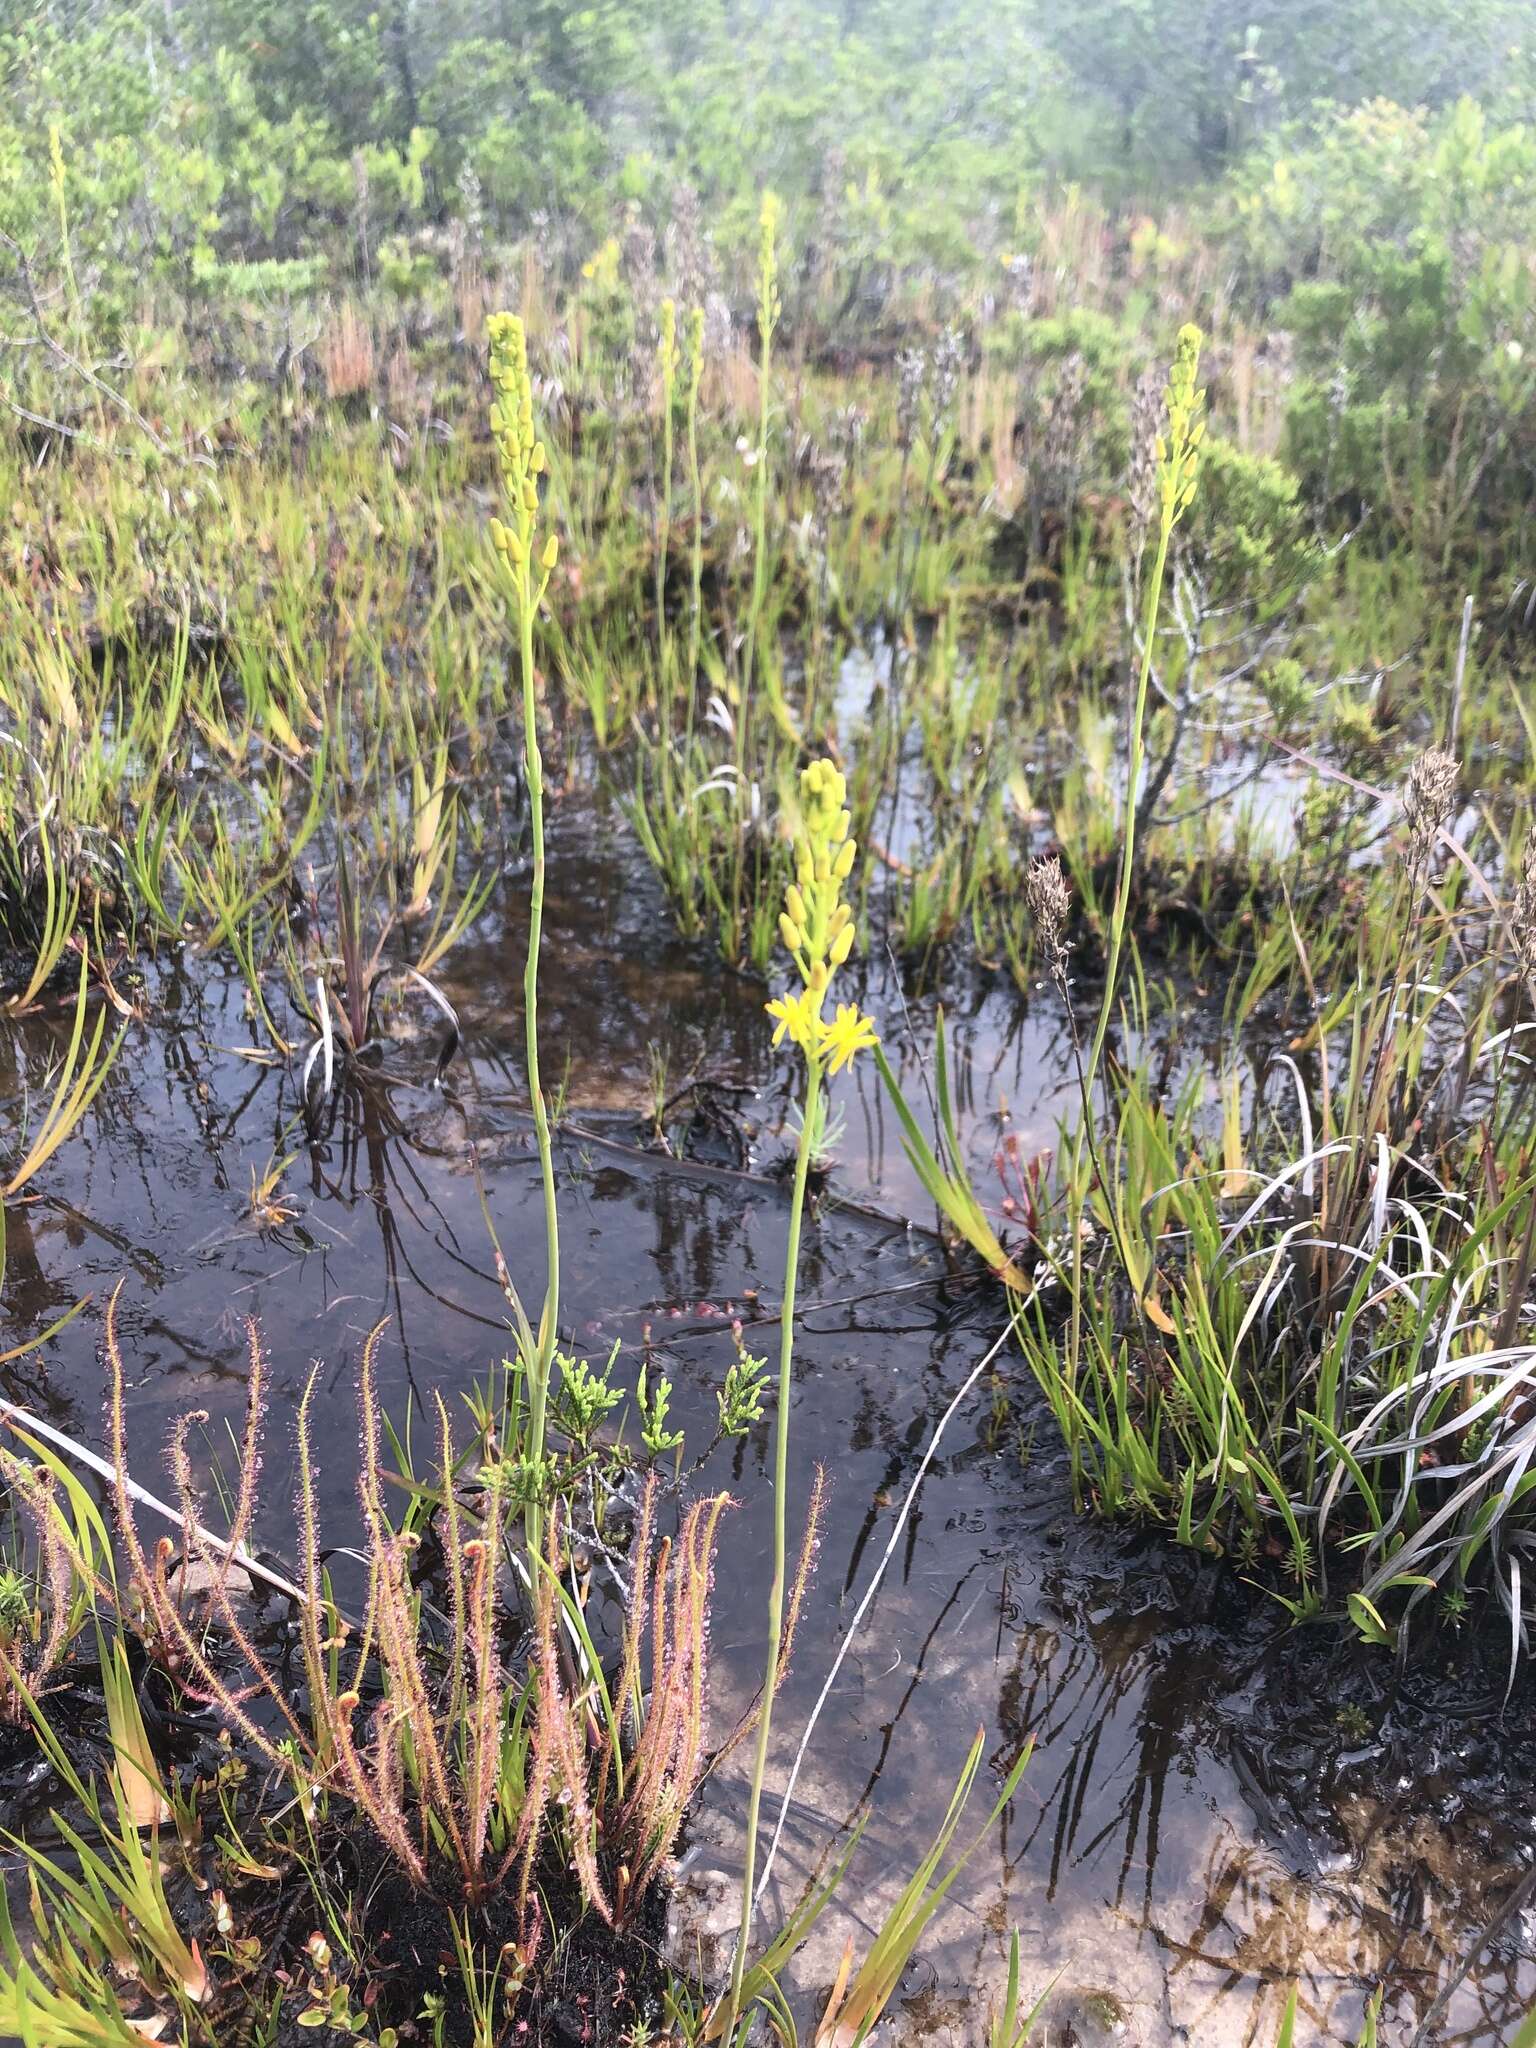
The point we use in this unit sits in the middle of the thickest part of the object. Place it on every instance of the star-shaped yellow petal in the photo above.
(795, 1016)
(849, 1032)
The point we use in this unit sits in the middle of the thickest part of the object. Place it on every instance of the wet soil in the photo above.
(1218, 1805)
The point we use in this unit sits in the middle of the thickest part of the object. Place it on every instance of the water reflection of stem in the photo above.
(780, 1487)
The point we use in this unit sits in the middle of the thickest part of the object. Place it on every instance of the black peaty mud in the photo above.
(587, 1986)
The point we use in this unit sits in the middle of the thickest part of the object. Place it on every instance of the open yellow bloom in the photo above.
(849, 1032)
(795, 1015)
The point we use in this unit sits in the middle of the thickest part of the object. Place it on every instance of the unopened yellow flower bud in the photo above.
(819, 977)
(842, 867)
(842, 946)
(551, 554)
(538, 458)
(794, 903)
(823, 792)
(790, 932)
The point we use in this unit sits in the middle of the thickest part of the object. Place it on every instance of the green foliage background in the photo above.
(1358, 179)
(224, 125)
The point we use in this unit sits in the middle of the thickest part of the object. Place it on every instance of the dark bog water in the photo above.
(1198, 1826)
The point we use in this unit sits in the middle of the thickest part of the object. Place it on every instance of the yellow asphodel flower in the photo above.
(797, 1016)
(849, 1032)
(816, 925)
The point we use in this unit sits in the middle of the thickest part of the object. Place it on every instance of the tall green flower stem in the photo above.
(768, 308)
(811, 1110)
(695, 361)
(1177, 465)
(522, 461)
(666, 363)
(816, 925)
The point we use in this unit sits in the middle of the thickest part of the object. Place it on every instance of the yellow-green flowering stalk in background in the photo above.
(522, 461)
(768, 309)
(1176, 466)
(1178, 462)
(667, 359)
(769, 306)
(695, 367)
(816, 925)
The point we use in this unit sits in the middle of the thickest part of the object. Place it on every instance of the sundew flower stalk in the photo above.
(816, 926)
(522, 461)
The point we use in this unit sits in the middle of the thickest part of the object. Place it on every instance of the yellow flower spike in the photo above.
(1178, 448)
(849, 1032)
